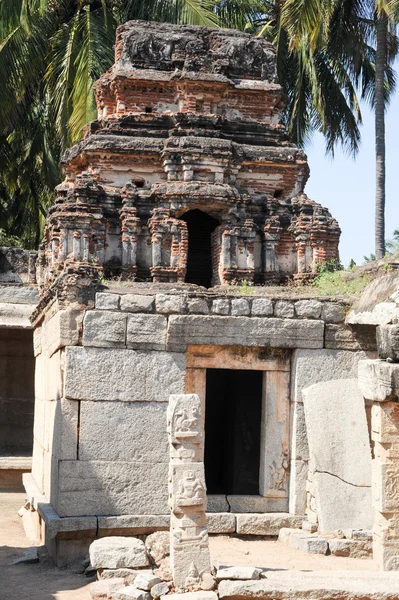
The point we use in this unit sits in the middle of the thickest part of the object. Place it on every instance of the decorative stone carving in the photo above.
(189, 547)
(169, 242)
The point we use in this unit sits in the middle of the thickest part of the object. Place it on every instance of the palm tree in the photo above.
(326, 25)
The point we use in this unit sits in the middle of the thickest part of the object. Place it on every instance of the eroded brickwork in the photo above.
(189, 118)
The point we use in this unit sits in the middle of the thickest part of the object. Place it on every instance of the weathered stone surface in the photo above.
(197, 306)
(284, 309)
(106, 301)
(130, 593)
(136, 524)
(128, 575)
(61, 330)
(28, 557)
(137, 303)
(146, 581)
(158, 545)
(95, 374)
(213, 330)
(312, 545)
(102, 590)
(221, 306)
(221, 522)
(16, 315)
(308, 309)
(84, 488)
(118, 553)
(217, 503)
(240, 307)
(201, 595)
(378, 380)
(350, 548)
(299, 449)
(297, 495)
(138, 424)
(378, 304)
(340, 337)
(340, 505)
(257, 504)
(240, 573)
(170, 304)
(340, 455)
(314, 366)
(343, 448)
(159, 589)
(146, 332)
(104, 329)
(266, 524)
(388, 342)
(300, 586)
(333, 312)
(19, 294)
(262, 307)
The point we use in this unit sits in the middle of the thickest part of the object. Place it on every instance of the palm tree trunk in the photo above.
(381, 58)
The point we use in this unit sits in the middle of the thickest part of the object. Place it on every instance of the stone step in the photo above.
(323, 585)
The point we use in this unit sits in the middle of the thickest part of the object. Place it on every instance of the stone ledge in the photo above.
(268, 524)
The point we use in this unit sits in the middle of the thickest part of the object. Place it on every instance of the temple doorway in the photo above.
(233, 418)
(199, 260)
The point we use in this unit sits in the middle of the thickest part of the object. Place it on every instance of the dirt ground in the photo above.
(43, 581)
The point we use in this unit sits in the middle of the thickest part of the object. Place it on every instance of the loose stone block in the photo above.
(266, 524)
(221, 306)
(240, 573)
(127, 375)
(104, 329)
(118, 553)
(197, 306)
(245, 331)
(340, 455)
(340, 337)
(388, 342)
(138, 424)
(221, 523)
(158, 545)
(107, 301)
(333, 312)
(146, 581)
(130, 593)
(146, 332)
(189, 545)
(312, 545)
(170, 304)
(240, 307)
(284, 309)
(262, 307)
(137, 303)
(378, 380)
(102, 590)
(159, 589)
(128, 575)
(308, 309)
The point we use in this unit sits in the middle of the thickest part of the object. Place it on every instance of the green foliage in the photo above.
(341, 283)
(329, 266)
(9, 240)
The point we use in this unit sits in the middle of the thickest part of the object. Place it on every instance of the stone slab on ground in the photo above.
(130, 593)
(340, 455)
(202, 595)
(266, 524)
(146, 581)
(159, 589)
(128, 575)
(241, 573)
(118, 552)
(350, 585)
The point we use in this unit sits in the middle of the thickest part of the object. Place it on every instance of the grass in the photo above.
(341, 283)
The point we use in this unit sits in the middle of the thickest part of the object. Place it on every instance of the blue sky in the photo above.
(346, 186)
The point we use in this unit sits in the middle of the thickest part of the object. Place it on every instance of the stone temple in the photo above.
(185, 183)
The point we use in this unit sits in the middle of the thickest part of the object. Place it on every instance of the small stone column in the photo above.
(189, 545)
(379, 382)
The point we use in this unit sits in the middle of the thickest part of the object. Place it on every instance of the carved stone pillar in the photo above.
(189, 545)
(169, 240)
(272, 232)
(238, 252)
(130, 228)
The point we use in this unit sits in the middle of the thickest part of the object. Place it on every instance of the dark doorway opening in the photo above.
(232, 431)
(199, 259)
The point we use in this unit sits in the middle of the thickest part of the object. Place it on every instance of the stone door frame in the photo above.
(275, 423)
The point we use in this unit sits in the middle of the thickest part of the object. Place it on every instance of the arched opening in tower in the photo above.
(199, 260)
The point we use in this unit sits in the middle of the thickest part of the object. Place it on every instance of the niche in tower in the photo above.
(199, 260)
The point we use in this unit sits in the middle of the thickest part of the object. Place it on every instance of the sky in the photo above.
(346, 186)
